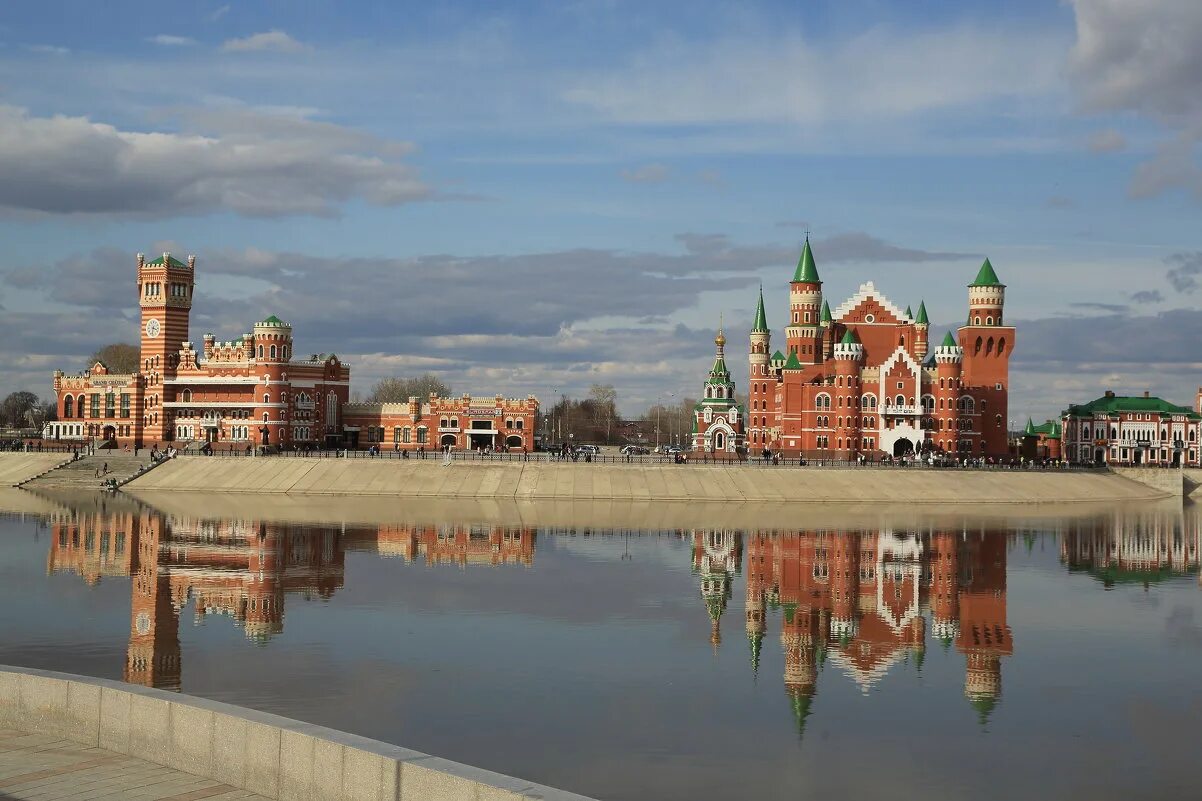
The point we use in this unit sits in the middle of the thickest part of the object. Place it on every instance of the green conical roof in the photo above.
(986, 277)
(806, 270)
(273, 320)
(778, 357)
(948, 341)
(849, 338)
(921, 319)
(1029, 431)
(792, 363)
(826, 312)
(908, 312)
(761, 320)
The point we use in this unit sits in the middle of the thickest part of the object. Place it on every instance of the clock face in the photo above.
(142, 623)
(152, 327)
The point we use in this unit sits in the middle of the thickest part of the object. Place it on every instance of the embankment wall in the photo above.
(626, 482)
(265, 754)
(16, 468)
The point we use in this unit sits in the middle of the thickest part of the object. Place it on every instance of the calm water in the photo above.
(1052, 658)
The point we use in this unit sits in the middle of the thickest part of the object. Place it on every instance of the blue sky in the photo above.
(536, 196)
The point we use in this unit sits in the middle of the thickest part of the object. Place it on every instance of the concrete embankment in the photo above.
(622, 482)
(265, 754)
(16, 468)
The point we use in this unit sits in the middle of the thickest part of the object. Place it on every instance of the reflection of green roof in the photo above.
(790, 609)
(792, 363)
(171, 262)
(806, 269)
(986, 276)
(761, 320)
(921, 319)
(984, 704)
(755, 640)
(800, 703)
(713, 605)
(1112, 574)
(1123, 403)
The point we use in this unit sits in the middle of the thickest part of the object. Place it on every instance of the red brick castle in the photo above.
(863, 379)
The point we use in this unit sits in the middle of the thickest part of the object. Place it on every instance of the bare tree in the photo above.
(604, 410)
(399, 389)
(120, 358)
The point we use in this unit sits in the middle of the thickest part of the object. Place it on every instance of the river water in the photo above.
(880, 654)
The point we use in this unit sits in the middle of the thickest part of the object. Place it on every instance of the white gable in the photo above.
(900, 355)
(866, 292)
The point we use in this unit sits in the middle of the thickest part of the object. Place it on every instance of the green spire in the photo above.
(761, 320)
(793, 363)
(1029, 431)
(948, 341)
(806, 271)
(986, 277)
(909, 313)
(826, 312)
(921, 319)
(778, 357)
(849, 338)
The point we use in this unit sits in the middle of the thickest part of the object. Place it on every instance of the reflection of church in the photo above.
(1137, 546)
(860, 601)
(239, 569)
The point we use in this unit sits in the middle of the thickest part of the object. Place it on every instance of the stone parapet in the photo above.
(262, 753)
(1169, 481)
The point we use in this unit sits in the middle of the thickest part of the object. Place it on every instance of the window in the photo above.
(421, 435)
(125, 405)
(405, 435)
(273, 351)
(260, 351)
(396, 435)
(94, 405)
(989, 320)
(266, 398)
(68, 406)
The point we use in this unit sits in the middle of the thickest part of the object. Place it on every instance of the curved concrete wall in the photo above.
(667, 482)
(255, 751)
(16, 468)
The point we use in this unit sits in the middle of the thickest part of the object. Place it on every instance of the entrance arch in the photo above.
(903, 447)
(719, 441)
(109, 433)
(447, 439)
(1099, 456)
(513, 441)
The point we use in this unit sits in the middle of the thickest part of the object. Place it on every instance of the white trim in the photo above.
(220, 405)
(865, 292)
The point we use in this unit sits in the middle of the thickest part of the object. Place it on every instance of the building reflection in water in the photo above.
(241, 569)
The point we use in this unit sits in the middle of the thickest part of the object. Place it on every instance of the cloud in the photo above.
(53, 50)
(1147, 296)
(1107, 141)
(1184, 270)
(879, 74)
(647, 174)
(167, 40)
(1109, 308)
(1141, 56)
(238, 160)
(1060, 202)
(861, 247)
(273, 41)
(219, 12)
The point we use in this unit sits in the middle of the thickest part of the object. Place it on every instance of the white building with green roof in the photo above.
(1131, 430)
(718, 422)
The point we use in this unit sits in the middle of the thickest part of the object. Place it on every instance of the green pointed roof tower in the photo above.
(807, 271)
(826, 312)
(909, 313)
(949, 341)
(761, 319)
(921, 319)
(1029, 431)
(986, 276)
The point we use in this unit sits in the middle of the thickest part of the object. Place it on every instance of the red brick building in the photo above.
(247, 390)
(464, 423)
(862, 379)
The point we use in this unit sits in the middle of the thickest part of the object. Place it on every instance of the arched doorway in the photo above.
(719, 441)
(447, 439)
(109, 433)
(513, 441)
(903, 447)
(1099, 456)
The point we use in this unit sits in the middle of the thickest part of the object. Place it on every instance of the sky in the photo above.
(532, 197)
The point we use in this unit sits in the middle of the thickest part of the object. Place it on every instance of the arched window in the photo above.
(68, 406)
(454, 422)
(266, 398)
(823, 401)
(976, 320)
(709, 392)
(406, 433)
(1001, 346)
(899, 400)
(989, 346)
(273, 352)
(1085, 432)
(186, 396)
(901, 340)
(989, 320)
(266, 417)
(518, 424)
(977, 349)
(260, 351)
(719, 392)
(443, 423)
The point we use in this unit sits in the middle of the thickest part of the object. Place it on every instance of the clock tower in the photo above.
(165, 296)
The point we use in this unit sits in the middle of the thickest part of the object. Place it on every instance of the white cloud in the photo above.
(1107, 141)
(219, 12)
(238, 160)
(276, 41)
(167, 40)
(53, 50)
(647, 174)
(880, 74)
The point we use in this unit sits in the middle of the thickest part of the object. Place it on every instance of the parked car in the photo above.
(595, 450)
(635, 450)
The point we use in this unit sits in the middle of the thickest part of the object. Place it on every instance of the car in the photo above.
(595, 450)
(635, 450)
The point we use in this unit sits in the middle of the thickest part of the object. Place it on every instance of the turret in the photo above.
(759, 387)
(805, 309)
(946, 388)
(848, 349)
(209, 342)
(986, 297)
(921, 330)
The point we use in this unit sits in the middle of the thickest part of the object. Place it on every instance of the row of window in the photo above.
(74, 407)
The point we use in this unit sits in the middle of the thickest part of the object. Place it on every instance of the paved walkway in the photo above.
(37, 767)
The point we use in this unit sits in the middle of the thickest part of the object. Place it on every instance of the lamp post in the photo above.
(659, 406)
(672, 418)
